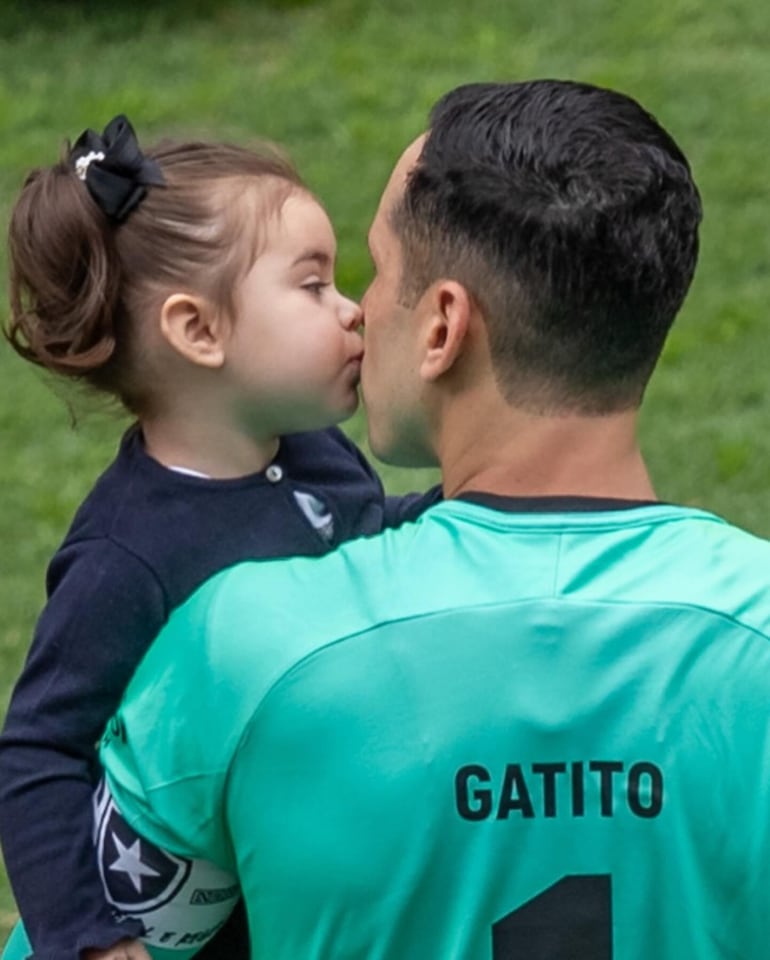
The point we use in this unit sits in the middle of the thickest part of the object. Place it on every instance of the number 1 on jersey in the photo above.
(571, 920)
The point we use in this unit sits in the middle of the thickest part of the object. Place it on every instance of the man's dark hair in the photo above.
(572, 218)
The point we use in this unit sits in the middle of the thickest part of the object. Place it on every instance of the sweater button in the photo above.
(274, 473)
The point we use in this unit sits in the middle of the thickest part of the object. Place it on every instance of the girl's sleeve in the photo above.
(105, 607)
(408, 507)
(392, 511)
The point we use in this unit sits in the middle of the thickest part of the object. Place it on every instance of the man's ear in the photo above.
(194, 328)
(448, 307)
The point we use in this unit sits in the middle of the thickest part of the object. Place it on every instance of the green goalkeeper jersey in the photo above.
(505, 731)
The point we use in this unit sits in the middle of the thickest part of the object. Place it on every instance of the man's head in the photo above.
(570, 218)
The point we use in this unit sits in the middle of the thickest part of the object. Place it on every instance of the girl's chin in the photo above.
(352, 404)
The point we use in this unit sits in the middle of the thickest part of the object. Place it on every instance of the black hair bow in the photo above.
(113, 167)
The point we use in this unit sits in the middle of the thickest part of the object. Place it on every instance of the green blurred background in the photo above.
(344, 85)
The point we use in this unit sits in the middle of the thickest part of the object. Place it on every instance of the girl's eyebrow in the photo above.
(320, 256)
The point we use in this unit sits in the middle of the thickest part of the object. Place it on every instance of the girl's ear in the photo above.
(194, 328)
(447, 324)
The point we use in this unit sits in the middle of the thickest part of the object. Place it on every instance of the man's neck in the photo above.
(526, 455)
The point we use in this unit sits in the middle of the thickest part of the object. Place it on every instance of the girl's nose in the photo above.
(351, 314)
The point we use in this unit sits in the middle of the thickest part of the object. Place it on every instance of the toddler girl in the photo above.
(195, 283)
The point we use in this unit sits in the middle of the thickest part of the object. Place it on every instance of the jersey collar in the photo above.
(556, 504)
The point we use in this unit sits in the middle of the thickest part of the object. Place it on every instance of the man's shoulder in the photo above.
(265, 615)
(460, 551)
(257, 618)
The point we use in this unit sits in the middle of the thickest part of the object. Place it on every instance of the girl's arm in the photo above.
(104, 609)
(402, 509)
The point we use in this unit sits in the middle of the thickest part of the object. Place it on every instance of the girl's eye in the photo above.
(316, 287)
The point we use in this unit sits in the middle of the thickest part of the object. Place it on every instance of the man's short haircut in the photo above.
(571, 217)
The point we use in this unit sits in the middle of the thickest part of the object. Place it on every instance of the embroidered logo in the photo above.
(317, 513)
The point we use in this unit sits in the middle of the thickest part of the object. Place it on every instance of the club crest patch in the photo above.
(182, 902)
(137, 876)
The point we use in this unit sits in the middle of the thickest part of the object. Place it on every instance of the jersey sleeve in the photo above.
(104, 608)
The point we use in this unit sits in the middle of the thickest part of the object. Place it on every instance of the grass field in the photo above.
(345, 84)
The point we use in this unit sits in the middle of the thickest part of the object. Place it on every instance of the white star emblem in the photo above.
(130, 861)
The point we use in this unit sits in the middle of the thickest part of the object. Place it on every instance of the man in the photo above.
(535, 722)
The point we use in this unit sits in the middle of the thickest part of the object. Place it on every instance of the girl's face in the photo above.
(293, 355)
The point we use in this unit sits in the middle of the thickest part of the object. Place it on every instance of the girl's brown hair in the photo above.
(79, 281)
